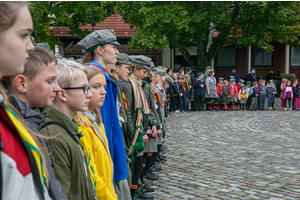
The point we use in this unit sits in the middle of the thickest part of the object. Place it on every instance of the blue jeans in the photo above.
(270, 102)
(186, 102)
(262, 99)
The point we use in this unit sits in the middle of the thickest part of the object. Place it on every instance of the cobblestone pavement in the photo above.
(232, 155)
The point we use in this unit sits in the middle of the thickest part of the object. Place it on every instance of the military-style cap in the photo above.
(242, 81)
(255, 82)
(233, 69)
(58, 56)
(221, 79)
(211, 71)
(98, 38)
(152, 66)
(248, 83)
(141, 60)
(72, 59)
(233, 80)
(200, 73)
(188, 69)
(169, 79)
(44, 45)
(208, 67)
(159, 71)
(123, 58)
(231, 77)
(242, 85)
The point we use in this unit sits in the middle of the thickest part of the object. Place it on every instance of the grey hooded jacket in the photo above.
(33, 118)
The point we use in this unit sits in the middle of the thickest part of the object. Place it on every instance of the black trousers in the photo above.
(178, 103)
(172, 104)
(198, 102)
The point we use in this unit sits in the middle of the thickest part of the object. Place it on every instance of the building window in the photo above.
(295, 57)
(262, 58)
(226, 57)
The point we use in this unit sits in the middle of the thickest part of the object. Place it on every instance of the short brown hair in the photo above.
(33, 66)
(36, 58)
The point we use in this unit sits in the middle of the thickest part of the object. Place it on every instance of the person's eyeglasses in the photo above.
(85, 88)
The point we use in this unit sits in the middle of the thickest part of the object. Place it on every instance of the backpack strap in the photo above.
(62, 126)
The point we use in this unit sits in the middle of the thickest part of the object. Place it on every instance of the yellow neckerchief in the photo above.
(30, 142)
(188, 85)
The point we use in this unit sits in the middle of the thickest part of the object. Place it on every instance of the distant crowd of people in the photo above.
(205, 92)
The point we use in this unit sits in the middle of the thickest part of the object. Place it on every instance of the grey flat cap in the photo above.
(221, 79)
(44, 45)
(208, 67)
(233, 80)
(141, 60)
(123, 58)
(211, 71)
(241, 81)
(58, 56)
(169, 79)
(98, 38)
(231, 77)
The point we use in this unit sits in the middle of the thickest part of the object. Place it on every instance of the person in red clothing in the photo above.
(234, 95)
(23, 168)
(219, 91)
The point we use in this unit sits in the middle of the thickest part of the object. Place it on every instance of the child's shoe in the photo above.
(285, 108)
(290, 108)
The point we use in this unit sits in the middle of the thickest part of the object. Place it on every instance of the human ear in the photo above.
(21, 82)
(62, 95)
(100, 50)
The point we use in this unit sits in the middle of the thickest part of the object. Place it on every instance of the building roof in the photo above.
(115, 22)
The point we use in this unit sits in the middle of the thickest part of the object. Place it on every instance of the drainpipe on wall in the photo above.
(248, 59)
(287, 59)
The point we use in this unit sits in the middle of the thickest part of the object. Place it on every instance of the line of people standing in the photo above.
(77, 131)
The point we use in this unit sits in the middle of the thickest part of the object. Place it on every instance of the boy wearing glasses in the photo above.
(69, 160)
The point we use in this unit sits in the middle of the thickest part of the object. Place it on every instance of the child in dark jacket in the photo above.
(271, 91)
(254, 96)
(226, 94)
(262, 94)
(297, 96)
(287, 94)
(198, 91)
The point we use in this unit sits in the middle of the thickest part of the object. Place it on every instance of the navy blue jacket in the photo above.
(235, 75)
(112, 127)
(198, 91)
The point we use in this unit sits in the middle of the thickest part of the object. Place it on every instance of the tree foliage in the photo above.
(182, 24)
(72, 14)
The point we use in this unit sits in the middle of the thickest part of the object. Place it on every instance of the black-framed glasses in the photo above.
(85, 88)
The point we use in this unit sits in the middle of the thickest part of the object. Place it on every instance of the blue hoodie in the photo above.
(112, 127)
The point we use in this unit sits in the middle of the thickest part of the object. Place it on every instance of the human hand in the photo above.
(159, 132)
(146, 138)
(154, 131)
(208, 92)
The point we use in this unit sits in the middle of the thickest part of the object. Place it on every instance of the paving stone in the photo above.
(232, 155)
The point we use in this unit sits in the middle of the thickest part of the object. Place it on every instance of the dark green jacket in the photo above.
(153, 117)
(68, 158)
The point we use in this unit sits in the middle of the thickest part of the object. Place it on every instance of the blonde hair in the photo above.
(224, 82)
(67, 72)
(91, 72)
(263, 81)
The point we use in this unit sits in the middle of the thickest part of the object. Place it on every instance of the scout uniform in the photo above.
(109, 112)
(248, 88)
(211, 83)
(205, 75)
(254, 96)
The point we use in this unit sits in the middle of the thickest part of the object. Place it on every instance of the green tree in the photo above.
(182, 24)
(72, 14)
